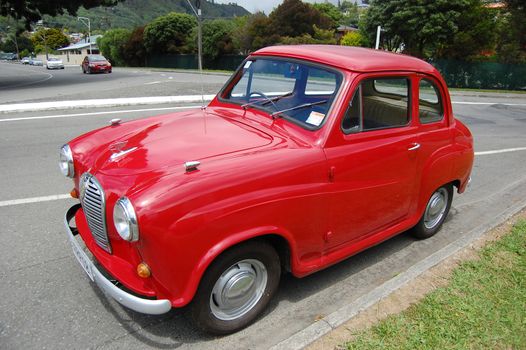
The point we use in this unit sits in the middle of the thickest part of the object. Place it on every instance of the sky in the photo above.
(263, 5)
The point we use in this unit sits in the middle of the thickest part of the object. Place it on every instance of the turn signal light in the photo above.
(143, 270)
(74, 193)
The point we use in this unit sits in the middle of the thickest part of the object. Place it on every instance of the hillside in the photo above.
(133, 13)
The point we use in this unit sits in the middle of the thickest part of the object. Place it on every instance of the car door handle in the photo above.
(414, 147)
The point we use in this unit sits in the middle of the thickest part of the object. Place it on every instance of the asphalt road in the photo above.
(24, 83)
(48, 302)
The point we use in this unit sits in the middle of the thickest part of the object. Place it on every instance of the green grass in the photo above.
(482, 307)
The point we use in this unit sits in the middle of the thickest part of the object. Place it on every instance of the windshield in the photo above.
(96, 58)
(297, 91)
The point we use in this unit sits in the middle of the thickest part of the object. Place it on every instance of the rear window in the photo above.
(378, 104)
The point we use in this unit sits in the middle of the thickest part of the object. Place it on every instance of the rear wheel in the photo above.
(435, 213)
(236, 288)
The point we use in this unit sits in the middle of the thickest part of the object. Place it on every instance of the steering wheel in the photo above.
(259, 93)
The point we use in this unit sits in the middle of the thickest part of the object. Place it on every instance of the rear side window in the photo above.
(378, 104)
(430, 107)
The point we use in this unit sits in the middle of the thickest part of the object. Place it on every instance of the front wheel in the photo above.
(236, 288)
(435, 213)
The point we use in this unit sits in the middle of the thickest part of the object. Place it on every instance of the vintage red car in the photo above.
(308, 155)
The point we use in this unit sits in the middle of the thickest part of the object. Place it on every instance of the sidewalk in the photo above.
(108, 102)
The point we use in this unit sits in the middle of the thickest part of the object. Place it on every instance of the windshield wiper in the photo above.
(266, 101)
(305, 105)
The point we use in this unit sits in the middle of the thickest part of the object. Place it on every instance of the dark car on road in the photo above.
(95, 64)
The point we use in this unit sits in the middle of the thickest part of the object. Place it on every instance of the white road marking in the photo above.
(153, 82)
(97, 113)
(488, 103)
(34, 200)
(506, 150)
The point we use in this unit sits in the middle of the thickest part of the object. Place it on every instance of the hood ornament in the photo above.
(115, 122)
(117, 155)
(191, 166)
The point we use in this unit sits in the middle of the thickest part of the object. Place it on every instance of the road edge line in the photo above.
(308, 335)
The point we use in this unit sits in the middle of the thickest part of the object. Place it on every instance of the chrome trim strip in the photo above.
(114, 156)
(145, 306)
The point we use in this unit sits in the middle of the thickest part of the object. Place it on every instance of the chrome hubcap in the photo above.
(436, 208)
(238, 289)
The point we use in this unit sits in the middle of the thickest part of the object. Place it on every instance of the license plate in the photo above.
(81, 257)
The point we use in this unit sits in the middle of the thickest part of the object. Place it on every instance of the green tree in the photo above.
(253, 32)
(511, 32)
(350, 13)
(321, 36)
(421, 27)
(24, 44)
(475, 34)
(330, 11)
(33, 10)
(295, 18)
(169, 33)
(111, 45)
(352, 39)
(52, 38)
(134, 51)
(218, 38)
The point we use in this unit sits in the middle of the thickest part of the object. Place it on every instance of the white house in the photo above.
(75, 53)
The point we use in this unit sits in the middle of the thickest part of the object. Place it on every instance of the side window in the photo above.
(378, 104)
(430, 108)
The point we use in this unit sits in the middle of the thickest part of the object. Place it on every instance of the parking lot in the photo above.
(47, 301)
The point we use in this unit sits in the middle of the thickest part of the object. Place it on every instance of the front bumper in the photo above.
(146, 306)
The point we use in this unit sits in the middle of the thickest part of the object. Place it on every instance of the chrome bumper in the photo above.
(146, 306)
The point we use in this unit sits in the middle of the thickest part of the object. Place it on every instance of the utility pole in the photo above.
(43, 33)
(88, 24)
(197, 13)
(378, 30)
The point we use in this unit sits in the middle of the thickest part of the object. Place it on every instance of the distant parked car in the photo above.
(54, 63)
(36, 62)
(25, 60)
(95, 64)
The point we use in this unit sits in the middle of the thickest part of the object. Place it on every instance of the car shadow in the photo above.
(174, 329)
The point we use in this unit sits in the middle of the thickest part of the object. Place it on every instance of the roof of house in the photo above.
(357, 59)
(82, 44)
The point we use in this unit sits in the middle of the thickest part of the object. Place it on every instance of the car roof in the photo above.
(357, 59)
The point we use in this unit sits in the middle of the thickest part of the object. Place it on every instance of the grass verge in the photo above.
(482, 307)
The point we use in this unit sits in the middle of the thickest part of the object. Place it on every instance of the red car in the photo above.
(280, 173)
(95, 64)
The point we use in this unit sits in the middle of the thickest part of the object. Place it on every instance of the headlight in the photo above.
(66, 161)
(125, 220)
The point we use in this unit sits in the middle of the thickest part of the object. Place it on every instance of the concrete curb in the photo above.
(316, 330)
(108, 102)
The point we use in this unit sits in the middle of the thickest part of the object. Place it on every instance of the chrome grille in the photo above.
(94, 206)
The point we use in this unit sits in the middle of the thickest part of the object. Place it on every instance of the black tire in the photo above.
(242, 260)
(430, 223)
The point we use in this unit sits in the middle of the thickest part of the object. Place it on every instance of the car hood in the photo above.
(163, 144)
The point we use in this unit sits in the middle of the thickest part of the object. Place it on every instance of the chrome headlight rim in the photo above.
(66, 161)
(125, 220)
